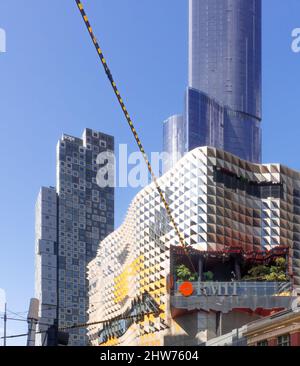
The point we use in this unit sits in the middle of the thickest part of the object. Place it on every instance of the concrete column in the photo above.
(206, 326)
(237, 269)
(219, 321)
(200, 268)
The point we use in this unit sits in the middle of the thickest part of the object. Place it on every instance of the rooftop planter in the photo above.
(268, 273)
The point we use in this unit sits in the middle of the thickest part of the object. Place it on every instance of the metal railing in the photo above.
(237, 288)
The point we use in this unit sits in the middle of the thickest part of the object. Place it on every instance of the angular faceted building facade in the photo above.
(223, 106)
(232, 214)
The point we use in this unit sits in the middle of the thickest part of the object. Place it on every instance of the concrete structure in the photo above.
(232, 214)
(71, 220)
(46, 259)
(32, 320)
(235, 338)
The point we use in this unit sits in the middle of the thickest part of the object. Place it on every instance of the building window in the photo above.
(263, 343)
(284, 340)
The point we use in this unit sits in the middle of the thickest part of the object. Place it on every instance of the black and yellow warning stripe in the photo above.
(133, 317)
(130, 123)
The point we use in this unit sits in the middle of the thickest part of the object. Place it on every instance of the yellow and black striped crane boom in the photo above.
(131, 125)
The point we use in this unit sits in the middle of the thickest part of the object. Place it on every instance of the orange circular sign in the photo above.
(186, 289)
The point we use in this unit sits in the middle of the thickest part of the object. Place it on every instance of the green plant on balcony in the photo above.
(274, 273)
(183, 273)
(208, 276)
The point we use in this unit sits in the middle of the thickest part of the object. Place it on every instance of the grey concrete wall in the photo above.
(234, 320)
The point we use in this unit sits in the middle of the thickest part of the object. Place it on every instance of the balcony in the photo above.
(226, 296)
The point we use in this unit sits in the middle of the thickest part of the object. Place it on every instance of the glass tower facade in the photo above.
(223, 103)
(209, 123)
(173, 140)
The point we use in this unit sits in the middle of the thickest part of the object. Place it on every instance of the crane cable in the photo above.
(129, 317)
(131, 125)
(84, 325)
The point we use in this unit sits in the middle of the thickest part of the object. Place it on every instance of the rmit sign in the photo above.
(243, 288)
(209, 289)
(2, 40)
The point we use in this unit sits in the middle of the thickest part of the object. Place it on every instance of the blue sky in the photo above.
(51, 82)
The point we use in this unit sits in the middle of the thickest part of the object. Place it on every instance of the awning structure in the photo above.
(251, 256)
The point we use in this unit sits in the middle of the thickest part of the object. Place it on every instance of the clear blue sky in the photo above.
(51, 82)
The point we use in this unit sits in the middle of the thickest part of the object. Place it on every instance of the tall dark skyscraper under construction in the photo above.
(223, 98)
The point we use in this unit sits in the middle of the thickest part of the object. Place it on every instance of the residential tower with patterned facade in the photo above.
(70, 222)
